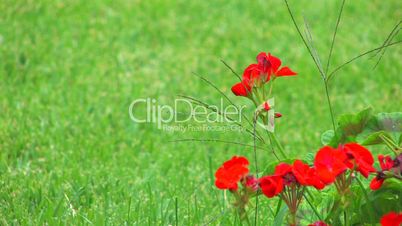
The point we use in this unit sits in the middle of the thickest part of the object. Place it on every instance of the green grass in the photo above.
(69, 153)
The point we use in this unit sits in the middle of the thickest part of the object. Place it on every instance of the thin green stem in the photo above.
(330, 105)
(312, 206)
(358, 56)
(390, 144)
(256, 166)
(333, 37)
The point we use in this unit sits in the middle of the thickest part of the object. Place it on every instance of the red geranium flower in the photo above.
(271, 64)
(329, 163)
(359, 158)
(386, 164)
(231, 172)
(271, 185)
(260, 73)
(318, 223)
(391, 219)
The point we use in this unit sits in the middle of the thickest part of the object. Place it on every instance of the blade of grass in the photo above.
(383, 52)
(176, 212)
(387, 40)
(230, 68)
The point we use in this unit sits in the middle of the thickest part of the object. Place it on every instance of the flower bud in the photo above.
(278, 115)
(266, 106)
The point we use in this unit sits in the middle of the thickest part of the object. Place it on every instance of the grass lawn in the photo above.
(69, 153)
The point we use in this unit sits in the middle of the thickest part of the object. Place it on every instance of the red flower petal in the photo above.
(376, 183)
(282, 169)
(300, 171)
(275, 62)
(241, 89)
(391, 219)
(261, 58)
(271, 185)
(314, 180)
(285, 71)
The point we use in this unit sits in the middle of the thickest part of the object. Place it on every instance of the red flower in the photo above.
(271, 185)
(260, 73)
(318, 223)
(359, 158)
(231, 172)
(271, 64)
(329, 163)
(391, 219)
(386, 164)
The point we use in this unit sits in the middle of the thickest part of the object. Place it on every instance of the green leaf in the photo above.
(372, 139)
(386, 124)
(327, 136)
(349, 126)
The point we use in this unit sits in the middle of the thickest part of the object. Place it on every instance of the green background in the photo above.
(69, 153)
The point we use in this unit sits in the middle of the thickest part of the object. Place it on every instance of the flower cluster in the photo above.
(256, 75)
(332, 164)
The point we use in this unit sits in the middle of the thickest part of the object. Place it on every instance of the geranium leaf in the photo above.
(385, 124)
(349, 126)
